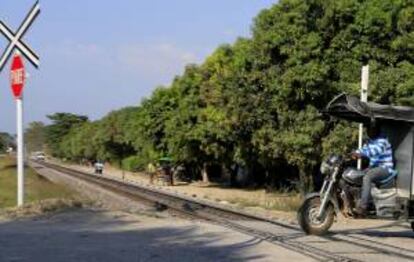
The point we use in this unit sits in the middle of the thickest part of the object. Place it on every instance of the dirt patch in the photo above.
(41, 207)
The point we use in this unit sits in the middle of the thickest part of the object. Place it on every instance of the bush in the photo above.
(133, 163)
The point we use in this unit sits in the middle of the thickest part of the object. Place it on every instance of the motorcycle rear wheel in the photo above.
(307, 217)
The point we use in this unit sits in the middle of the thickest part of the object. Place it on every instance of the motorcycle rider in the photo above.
(381, 164)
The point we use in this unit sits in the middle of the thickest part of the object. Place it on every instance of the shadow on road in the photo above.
(373, 239)
(91, 236)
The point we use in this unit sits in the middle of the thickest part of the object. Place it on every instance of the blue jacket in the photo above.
(379, 152)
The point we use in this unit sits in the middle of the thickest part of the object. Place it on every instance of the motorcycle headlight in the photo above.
(325, 168)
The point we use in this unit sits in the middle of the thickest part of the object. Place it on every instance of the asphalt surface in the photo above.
(349, 240)
(108, 236)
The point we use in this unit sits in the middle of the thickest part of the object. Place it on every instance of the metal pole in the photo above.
(20, 153)
(364, 98)
(360, 142)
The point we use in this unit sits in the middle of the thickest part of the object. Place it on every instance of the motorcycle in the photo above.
(340, 193)
(392, 198)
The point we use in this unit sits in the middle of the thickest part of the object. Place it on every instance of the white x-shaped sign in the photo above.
(16, 39)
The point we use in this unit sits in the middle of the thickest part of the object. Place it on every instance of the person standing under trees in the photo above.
(165, 171)
(99, 166)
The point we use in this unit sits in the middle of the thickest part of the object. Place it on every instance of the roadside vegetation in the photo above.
(277, 200)
(6, 141)
(249, 115)
(37, 187)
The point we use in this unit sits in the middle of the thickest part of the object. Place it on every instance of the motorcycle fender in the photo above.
(334, 201)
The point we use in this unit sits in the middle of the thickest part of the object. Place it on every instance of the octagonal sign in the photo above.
(17, 76)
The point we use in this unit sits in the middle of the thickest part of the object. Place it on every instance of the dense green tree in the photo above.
(62, 123)
(255, 104)
(110, 136)
(6, 141)
(34, 137)
(80, 144)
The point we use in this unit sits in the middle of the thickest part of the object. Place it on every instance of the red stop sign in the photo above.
(17, 76)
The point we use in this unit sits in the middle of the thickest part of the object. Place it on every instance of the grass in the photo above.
(280, 200)
(271, 201)
(37, 188)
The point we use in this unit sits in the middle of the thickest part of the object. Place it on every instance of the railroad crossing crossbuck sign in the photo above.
(16, 39)
(17, 79)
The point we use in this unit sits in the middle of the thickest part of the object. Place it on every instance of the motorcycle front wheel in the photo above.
(308, 217)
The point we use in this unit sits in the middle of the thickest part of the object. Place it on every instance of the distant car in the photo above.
(39, 156)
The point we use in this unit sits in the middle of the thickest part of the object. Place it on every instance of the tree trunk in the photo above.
(233, 176)
(268, 182)
(204, 174)
(122, 168)
(306, 180)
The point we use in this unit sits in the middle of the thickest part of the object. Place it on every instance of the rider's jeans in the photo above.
(373, 175)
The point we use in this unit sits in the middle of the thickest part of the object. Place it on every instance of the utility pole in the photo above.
(20, 153)
(364, 98)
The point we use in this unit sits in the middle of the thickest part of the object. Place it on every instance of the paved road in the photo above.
(103, 236)
(350, 240)
(106, 236)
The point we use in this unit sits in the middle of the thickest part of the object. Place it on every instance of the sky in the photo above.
(98, 56)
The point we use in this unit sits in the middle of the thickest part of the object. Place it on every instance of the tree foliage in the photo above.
(255, 104)
(62, 124)
(6, 141)
(34, 137)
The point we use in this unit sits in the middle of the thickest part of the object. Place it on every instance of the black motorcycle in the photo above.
(341, 193)
(392, 198)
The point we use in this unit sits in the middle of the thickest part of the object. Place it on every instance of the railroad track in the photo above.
(275, 232)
